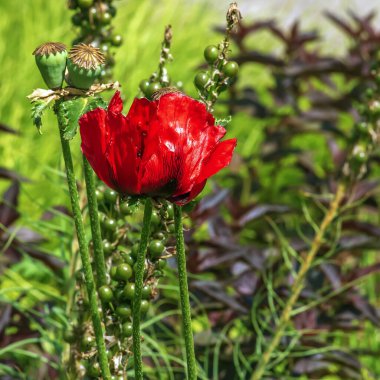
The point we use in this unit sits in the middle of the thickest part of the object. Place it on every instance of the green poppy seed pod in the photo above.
(51, 61)
(84, 65)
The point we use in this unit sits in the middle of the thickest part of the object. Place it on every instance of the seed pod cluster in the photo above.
(160, 80)
(365, 136)
(93, 19)
(220, 74)
(121, 244)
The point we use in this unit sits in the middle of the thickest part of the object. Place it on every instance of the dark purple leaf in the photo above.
(216, 291)
(365, 308)
(8, 206)
(7, 129)
(10, 174)
(209, 203)
(259, 211)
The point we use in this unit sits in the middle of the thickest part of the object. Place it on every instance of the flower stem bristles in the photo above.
(85, 256)
(139, 279)
(221, 73)
(184, 295)
(51, 61)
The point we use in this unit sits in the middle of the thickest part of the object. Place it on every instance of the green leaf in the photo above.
(94, 103)
(69, 112)
(38, 109)
(223, 122)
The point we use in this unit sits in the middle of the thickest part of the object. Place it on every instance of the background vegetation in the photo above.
(224, 342)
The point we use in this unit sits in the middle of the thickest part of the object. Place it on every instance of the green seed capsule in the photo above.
(170, 211)
(112, 10)
(152, 88)
(135, 251)
(105, 293)
(211, 54)
(127, 330)
(123, 272)
(84, 65)
(110, 224)
(156, 249)
(144, 84)
(128, 259)
(146, 291)
(230, 69)
(69, 335)
(126, 209)
(110, 195)
(51, 61)
(85, 3)
(161, 263)
(129, 291)
(155, 220)
(201, 79)
(99, 196)
(124, 312)
(144, 307)
(359, 155)
(88, 342)
(77, 19)
(107, 247)
(117, 40)
(105, 18)
(93, 370)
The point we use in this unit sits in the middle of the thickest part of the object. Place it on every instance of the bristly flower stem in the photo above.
(95, 226)
(299, 283)
(139, 280)
(85, 256)
(184, 295)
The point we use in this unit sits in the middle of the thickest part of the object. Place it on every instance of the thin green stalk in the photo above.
(184, 295)
(298, 284)
(85, 256)
(100, 264)
(139, 280)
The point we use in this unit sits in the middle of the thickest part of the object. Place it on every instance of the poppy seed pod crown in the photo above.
(51, 61)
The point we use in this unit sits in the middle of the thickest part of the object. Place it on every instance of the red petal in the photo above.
(94, 134)
(186, 135)
(218, 159)
(127, 143)
(116, 104)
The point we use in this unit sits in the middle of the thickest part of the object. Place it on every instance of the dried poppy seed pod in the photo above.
(51, 60)
(84, 65)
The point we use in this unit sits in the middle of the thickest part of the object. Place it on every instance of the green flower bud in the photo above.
(84, 65)
(51, 60)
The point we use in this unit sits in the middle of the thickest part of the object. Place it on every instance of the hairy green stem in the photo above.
(298, 284)
(139, 281)
(184, 295)
(93, 211)
(85, 256)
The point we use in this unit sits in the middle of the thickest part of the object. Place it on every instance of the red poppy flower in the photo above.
(162, 148)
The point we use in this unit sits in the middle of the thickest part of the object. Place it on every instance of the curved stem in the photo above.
(100, 264)
(299, 283)
(139, 280)
(85, 256)
(184, 295)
